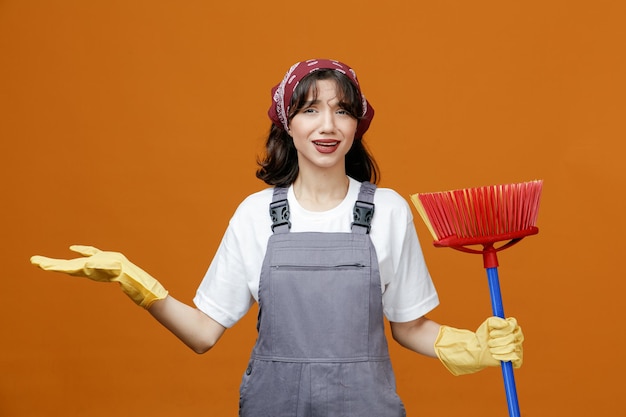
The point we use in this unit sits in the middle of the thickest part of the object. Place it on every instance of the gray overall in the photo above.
(321, 350)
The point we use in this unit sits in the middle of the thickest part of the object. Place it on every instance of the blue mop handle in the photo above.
(507, 367)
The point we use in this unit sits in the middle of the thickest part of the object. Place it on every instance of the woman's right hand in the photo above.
(105, 266)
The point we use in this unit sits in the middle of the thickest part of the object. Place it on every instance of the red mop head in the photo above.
(481, 216)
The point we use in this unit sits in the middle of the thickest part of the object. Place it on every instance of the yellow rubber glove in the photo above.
(107, 267)
(465, 352)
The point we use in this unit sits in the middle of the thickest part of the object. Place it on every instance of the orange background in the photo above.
(134, 126)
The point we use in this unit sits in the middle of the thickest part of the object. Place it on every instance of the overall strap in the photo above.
(363, 211)
(279, 211)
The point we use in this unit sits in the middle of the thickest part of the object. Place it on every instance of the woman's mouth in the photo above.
(326, 145)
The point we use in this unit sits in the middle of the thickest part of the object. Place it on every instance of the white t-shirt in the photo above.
(231, 284)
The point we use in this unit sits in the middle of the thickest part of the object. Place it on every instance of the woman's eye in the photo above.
(344, 112)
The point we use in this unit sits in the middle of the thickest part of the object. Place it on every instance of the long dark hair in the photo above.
(279, 164)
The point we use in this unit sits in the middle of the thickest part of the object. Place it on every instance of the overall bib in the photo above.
(321, 349)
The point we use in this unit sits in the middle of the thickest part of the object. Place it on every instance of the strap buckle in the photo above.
(279, 213)
(363, 213)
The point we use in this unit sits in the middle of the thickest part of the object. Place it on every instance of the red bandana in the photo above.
(281, 94)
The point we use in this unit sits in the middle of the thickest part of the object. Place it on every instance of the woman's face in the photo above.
(322, 131)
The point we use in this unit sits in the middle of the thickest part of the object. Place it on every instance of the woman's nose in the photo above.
(327, 123)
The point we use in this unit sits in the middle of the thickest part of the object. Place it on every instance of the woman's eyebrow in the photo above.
(335, 101)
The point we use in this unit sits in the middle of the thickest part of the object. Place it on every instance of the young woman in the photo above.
(327, 256)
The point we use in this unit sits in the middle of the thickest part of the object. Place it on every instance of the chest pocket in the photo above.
(320, 292)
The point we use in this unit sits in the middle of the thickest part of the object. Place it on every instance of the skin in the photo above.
(322, 133)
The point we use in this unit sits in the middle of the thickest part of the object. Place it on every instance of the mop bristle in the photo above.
(483, 212)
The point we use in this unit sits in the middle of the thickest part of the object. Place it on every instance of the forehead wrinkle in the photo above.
(313, 96)
(332, 103)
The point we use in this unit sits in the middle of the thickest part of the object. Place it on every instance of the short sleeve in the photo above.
(223, 293)
(231, 282)
(408, 290)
